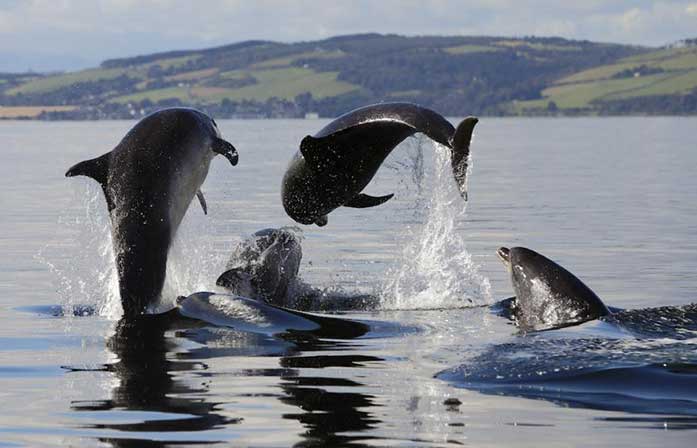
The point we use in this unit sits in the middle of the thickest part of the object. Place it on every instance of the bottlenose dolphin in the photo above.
(149, 179)
(265, 265)
(332, 167)
(547, 295)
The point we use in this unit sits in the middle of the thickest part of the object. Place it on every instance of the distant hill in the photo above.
(454, 75)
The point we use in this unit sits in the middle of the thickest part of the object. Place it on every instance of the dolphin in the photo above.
(332, 168)
(547, 296)
(149, 179)
(265, 265)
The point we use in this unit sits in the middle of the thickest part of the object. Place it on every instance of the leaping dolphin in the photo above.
(149, 180)
(332, 167)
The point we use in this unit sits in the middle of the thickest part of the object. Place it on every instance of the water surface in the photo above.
(612, 199)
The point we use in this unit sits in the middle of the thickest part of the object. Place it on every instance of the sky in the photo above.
(52, 35)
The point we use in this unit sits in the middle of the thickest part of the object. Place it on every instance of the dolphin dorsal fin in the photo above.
(97, 169)
(318, 153)
(362, 200)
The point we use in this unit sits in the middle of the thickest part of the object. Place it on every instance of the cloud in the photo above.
(55, 34)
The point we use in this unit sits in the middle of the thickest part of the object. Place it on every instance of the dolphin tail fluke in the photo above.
(461, 151)
(362, 200)
(95, 168)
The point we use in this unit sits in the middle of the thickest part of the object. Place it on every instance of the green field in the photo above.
(581, 90)
(289, 60)
(284, 83)
(536, 45)
(50, 83)
(464, 49)
(155, 95)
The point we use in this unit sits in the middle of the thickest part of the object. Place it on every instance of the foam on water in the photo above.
(435, 269)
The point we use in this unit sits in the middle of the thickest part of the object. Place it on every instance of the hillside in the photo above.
(662, 81)
(454, 75)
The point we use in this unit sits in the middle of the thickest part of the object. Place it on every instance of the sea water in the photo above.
(614, 200)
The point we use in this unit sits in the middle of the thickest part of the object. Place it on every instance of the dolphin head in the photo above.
(504, 255)
(547, 295)
(265, 265)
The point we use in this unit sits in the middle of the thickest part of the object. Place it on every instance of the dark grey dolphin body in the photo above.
(547, 295)
(149, 179)
(332, 167)
(265, 267)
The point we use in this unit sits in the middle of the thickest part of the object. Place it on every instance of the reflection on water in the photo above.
(146, 371)
(146, 382)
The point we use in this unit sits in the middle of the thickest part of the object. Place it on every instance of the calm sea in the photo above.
(614, 200)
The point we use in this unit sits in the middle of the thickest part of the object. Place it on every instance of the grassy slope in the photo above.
(282, 77)
(51, 83)
(284, 74)
(285, 83)
(30, 111)
(581, 89)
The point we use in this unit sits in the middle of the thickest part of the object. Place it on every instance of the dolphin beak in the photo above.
(226, 149)
(504, 254)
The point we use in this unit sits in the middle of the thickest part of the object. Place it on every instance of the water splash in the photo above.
(435, 269)
(84, 266)
(192, 265)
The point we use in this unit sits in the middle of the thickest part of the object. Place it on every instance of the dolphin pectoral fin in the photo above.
(460, 152)
(97, 169)
(362, 200)
(202, 200)
(226, 149)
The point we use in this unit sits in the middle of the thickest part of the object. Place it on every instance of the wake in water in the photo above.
(642, 361)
